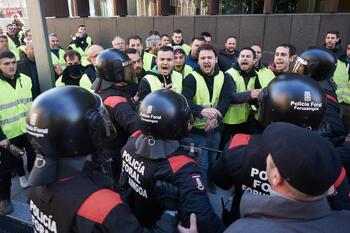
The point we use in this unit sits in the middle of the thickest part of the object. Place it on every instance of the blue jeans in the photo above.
(212, 141)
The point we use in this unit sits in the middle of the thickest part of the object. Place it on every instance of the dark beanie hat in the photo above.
(307, 161)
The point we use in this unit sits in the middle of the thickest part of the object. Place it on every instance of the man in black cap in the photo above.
(301, 175)
(289, 98)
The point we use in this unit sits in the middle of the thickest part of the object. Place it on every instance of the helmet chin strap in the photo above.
(69, 166)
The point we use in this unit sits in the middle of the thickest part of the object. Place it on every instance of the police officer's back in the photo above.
(289, 98)
(69, 194)
(115, 77)
(155, 153)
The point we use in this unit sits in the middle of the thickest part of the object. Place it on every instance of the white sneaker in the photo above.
(23, 182)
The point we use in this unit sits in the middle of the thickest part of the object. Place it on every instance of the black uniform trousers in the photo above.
(9, 163)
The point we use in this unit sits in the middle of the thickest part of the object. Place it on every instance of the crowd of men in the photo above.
(156, 126)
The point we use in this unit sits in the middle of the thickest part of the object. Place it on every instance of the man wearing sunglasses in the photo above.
(12, 37)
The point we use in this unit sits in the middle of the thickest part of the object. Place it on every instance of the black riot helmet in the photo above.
(65, 122)
(165, 114)
(316, 63)
(113, 65)
(292, 98)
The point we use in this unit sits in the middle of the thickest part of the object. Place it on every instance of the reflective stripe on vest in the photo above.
(147, 61)
(14, 105)
(202, 96)
(238, 113)
(341, 78)
(84, 82)
(155, 84)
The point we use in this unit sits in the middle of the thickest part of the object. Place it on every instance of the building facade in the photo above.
(110, 8)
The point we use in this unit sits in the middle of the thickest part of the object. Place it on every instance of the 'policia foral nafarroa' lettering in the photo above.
(134, 168)
(306, 106)
(42, 223)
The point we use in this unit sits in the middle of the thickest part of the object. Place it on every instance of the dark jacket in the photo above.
(243, 165)
(337, 50)
(346, 60)
(225, 60)
(84, 203)
(122, 112)
(279, 214)
(193, 62)
(28, 68)
(91, 72)
(165, 160)
(332, 125)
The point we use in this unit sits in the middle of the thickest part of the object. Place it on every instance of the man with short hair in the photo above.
(301, 175)
(148, 59)
(74, 73)
(15, 100)
(246, 90)
(136, 61)
(177, 39)
(282, 59)
(12, 37)
(162, 75)
(332, 43)
(263, 71)
(4, 45)
(207, 36)
(92, 52)
(192, 58)
(164, 40)
(118, 43)
(208, 93)
(228, 56)
(57, 54)
(80, 42)
(152, 44)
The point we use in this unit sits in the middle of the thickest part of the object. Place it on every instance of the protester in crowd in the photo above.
(179, 62)
(228, 56)
(192, 58)
(74, 73)
(148, 60)
(92, 52)
(118, 43)
(177, 39)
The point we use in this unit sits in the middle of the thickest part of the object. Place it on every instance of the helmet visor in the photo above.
(298, 65)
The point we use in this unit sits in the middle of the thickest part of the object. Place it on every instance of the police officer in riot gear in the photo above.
(116, 78)
(68, 194)
(289, 98)
(155, 152)
(320, 64)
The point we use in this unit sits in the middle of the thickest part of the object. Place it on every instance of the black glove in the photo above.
(167, 194)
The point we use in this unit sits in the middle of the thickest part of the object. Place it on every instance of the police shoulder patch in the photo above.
(112, 101)
(179, 161)
(239, 139)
